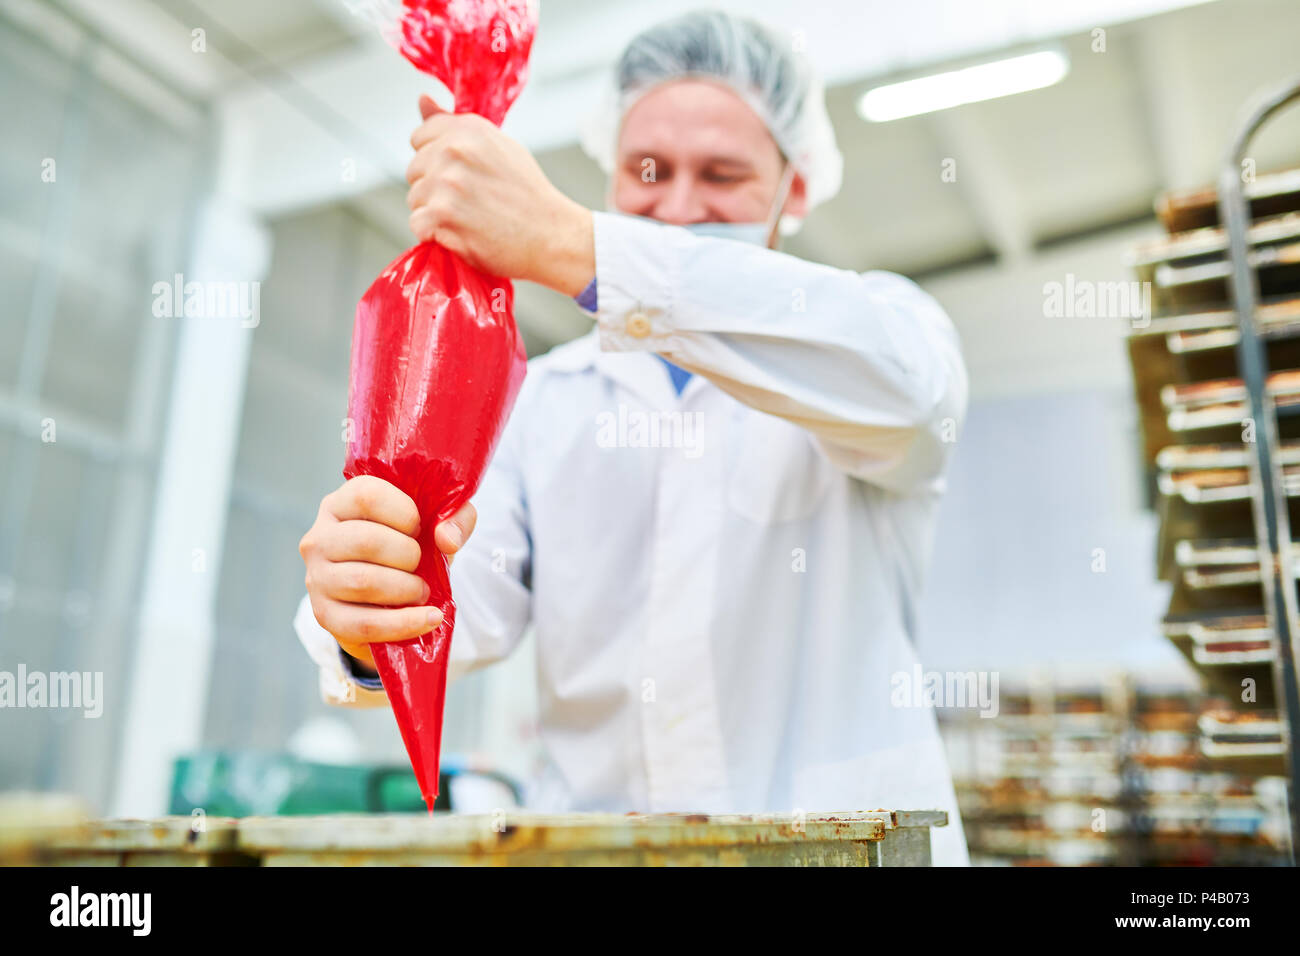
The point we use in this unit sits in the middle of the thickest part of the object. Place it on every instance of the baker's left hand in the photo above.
(481, 194)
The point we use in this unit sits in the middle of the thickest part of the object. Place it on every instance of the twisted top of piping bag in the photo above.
(477, 48)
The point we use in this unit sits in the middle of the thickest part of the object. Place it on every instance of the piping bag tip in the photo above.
(414, 675)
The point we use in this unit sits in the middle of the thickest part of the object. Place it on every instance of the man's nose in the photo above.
(679, 204)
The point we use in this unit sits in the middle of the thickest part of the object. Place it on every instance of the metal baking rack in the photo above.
(1269, 500)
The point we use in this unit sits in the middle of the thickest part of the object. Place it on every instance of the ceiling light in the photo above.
(986, 81)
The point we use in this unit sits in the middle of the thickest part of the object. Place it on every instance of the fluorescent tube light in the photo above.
(987, 81)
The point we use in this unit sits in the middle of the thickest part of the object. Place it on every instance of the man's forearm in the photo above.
(569, 260)
(868, 363)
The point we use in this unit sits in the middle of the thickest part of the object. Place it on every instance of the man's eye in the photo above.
(720, 177)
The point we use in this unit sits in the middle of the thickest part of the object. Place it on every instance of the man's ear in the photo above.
(796, 204)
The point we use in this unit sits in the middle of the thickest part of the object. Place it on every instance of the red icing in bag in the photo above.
(436, 358)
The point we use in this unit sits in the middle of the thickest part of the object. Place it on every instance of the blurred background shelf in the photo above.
(1038, 789)
(1217, 522)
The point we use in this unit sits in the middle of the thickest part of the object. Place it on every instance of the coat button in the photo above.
(638, 325)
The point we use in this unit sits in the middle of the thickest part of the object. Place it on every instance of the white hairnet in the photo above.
(758, 63)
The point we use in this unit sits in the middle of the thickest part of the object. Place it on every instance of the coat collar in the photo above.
(640, 372)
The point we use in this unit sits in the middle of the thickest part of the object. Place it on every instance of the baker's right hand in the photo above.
(361, 555)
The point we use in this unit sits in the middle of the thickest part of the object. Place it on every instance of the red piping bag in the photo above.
(436, 357)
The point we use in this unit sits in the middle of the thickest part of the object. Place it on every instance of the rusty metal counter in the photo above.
(510, 838)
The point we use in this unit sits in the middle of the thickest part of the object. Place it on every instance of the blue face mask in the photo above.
(755, 233)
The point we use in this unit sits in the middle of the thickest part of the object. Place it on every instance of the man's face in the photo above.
(693, 151)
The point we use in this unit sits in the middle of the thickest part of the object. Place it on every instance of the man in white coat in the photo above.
(716, 508)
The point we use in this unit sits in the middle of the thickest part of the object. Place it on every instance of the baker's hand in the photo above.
(480, 194)
(361, 555)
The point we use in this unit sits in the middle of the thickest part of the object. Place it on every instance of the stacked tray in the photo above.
(1116, 775)
(1198, 444)
(1242, 739)
(1049, 761)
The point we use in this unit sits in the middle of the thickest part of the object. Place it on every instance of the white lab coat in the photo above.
(718, 621)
